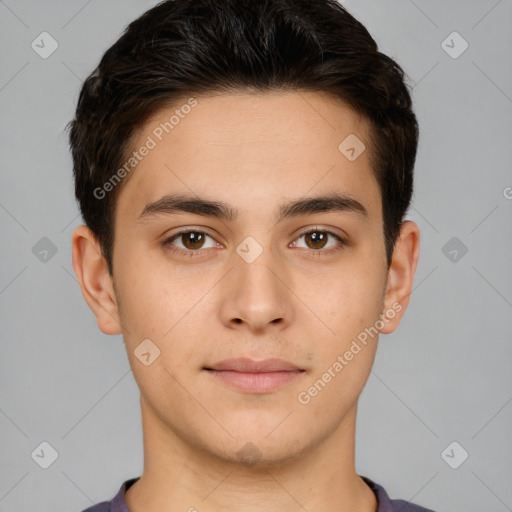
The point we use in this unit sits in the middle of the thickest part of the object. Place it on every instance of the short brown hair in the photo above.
(182, 48)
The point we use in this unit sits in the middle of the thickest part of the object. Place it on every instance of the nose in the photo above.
(257, 296)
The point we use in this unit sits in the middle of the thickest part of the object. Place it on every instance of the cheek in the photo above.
(349, 301)
(145, 304)
(165, 308)
(344, 358)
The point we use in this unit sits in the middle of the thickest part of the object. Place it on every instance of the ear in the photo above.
(95, 281)
(400, 275)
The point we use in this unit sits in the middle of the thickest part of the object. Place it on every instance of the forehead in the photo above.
(260, 147)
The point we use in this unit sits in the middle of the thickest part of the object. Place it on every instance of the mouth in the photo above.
(255, 376)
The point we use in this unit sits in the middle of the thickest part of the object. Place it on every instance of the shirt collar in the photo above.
(118, 504)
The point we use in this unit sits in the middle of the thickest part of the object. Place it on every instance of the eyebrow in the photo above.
(177, 203)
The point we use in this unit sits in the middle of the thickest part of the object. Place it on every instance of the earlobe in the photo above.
(400, 276)
(95, 281)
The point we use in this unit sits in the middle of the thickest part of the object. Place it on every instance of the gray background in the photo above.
(444, 376)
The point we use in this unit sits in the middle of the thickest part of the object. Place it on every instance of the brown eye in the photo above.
(318, 240)
(192, 240)
(189, 242)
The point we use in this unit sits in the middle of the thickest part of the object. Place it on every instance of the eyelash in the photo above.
(198, 252)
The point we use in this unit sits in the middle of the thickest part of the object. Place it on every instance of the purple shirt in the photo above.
(385, 504)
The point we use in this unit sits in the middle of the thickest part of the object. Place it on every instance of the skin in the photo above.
(297, 301)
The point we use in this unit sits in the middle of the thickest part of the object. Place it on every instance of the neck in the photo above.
(178, 475)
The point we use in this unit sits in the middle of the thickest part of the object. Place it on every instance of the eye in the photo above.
(191, 241)
(317, 241)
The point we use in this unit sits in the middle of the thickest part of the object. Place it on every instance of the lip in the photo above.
(246, 365)
(255, 376)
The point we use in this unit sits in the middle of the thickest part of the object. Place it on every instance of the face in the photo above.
(246, 265)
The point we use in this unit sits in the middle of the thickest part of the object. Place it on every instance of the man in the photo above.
(243, 170)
